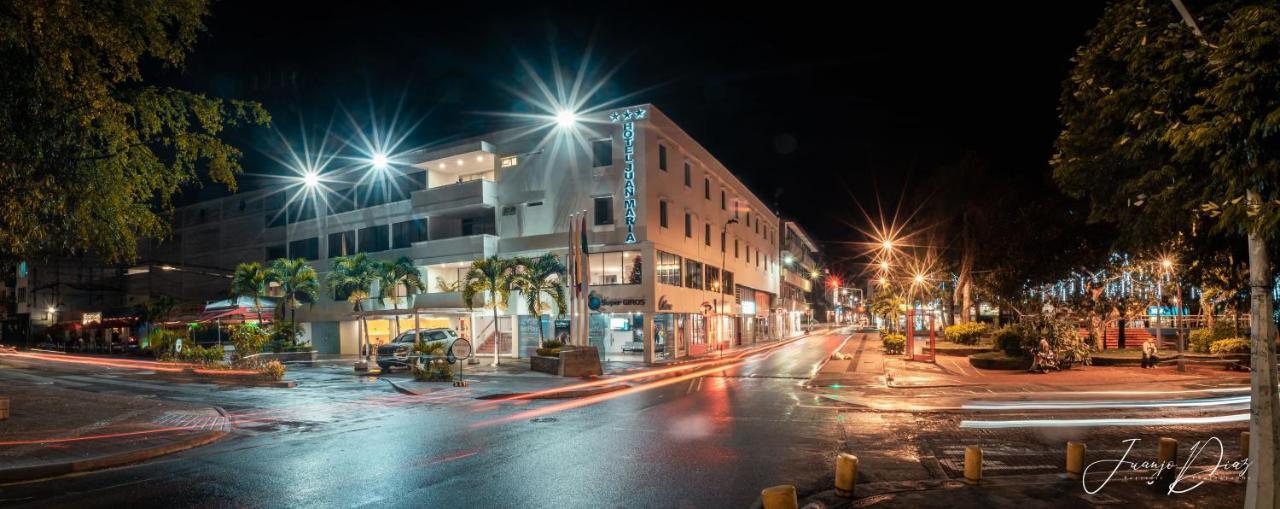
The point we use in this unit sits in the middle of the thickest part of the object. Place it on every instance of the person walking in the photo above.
(1149, 357)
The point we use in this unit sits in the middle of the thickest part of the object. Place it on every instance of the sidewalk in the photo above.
(54, 431)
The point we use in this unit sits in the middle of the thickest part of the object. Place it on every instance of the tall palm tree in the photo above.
(541, 278)
(250, 279)
(394, 275)
(492, 277)
(297, 280)
(354, 275)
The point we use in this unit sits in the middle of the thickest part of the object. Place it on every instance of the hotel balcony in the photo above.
(461, 197)
(465, 248)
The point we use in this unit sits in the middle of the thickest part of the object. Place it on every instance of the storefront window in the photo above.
(713, 278)
(668, 269)
(692, 274)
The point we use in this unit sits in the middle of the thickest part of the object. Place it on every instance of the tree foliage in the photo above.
(89, 152)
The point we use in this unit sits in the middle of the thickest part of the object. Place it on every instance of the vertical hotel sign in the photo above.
(628, 118)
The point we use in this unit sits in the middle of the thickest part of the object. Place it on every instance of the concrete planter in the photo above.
(572, 362)
(1003, 363)
(288, 356)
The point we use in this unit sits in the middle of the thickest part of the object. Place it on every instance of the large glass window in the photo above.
(713, 278)
(342, 243)
(601, 153)
(480, 225)
(668, 269)
(616, 268)
(276, 251)
(405, 233)
(374, 239)
(728, 283)
(692, 274)
(306, 248)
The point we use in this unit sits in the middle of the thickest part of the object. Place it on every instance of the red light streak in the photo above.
(102, 436)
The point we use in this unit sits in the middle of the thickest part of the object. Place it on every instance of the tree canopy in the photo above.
(90, 153)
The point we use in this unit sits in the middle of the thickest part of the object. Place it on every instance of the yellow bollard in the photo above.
(1244, 445)
(779, 497)
(1167, 451)
(846, 474)
(972, 464)
(1075, 459)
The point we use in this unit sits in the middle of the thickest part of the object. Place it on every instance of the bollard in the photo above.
(1167, 451)
(1244, 445)
(846, 474)
(779, 497)
(4, 408)
(972, 464)
(1075, 459)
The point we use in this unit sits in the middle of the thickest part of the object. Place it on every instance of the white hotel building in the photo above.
(508, 193)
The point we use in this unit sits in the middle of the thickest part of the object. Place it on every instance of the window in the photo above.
(601, 153)
(707, 234)
(479, 225)
(735, 247)
(374, 239)
(688, 225)
(306, 248)
(342, 200)
(748, 250)
(662, 213)
(662, 157)
(404, 234)
(757, 258)
(706, 188)
(723, 204)
(712, 277)
(604, 210)
(692, 274)
(616, 268)
(668, 269)
(722, 234)
(688, 175)
(342, 243)
(749, 220)
(757, 223)
(728, 283)
(509, 161)
(276, 251)
(735, 209)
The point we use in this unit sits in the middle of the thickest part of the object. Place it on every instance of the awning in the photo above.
(241, 314)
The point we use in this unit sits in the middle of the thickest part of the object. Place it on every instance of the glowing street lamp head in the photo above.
(1166, 263)
(884, 265)
(566, 119)
(919, 278)
(887, 244)
(379, 160)
(311, 179)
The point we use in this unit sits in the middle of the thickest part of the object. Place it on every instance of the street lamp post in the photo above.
(724, 254)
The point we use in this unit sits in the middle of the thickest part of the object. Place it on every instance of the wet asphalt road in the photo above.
(343, 441)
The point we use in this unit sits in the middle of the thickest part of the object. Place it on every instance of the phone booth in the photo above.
(920, 347)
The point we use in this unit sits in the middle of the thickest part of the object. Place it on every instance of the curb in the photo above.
(35, 472)
(580, 393)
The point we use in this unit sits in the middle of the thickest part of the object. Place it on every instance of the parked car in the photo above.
(399, 353)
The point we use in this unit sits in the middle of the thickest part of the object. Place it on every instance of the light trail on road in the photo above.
(1084, 423)
(1082, 405)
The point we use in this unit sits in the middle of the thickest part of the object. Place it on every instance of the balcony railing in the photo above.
(462, 196)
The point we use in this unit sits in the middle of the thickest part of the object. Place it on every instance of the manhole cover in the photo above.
(544, 419)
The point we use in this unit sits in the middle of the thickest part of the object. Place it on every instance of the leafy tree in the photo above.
(887, 303)
(491, 277)
(250, 280)
(394, 275)
(353, 275)
(297, 281)
(1167, 126)
(540, 278)
(157, 309)
(90, 154)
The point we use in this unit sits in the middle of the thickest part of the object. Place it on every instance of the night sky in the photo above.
(826, 105)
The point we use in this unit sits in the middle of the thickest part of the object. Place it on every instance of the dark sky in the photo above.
(828, 105)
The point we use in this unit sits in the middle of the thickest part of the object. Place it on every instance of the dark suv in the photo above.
(399, 353)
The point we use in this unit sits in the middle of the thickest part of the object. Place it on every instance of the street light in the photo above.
(566, 119)
(884, 265)
(379, 161)
(311, 179)
(724, 253)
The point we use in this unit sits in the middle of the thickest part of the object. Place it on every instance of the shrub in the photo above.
(552, 343)
(437, 369)
(248, 339)
(894, 344)
(1201, 339)
(273, 369)
(210, 356)
(1009, 340)
(1233, 345)
(161, 341)
(965, 333)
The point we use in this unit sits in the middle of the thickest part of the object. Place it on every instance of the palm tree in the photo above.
(250, 279)
(491, 276)
(393, 275)
(541, 277)
(354, 275)
(297, 280)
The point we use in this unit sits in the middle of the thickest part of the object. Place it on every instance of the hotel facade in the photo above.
(685, 259)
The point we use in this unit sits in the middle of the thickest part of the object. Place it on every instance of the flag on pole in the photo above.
(571, 261)
(584, 270)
